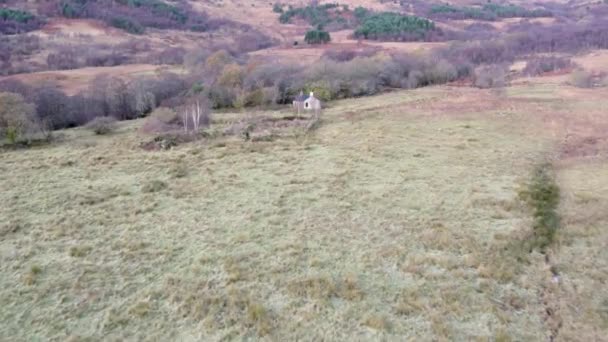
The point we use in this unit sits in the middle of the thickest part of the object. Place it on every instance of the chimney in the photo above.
(311, 94)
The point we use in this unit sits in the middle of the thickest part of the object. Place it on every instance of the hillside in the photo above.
(161, 178)
(398, 218)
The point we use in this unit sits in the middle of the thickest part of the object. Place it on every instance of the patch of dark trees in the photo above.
(135, 16)
(398, 27)
(106, 97)
(15, 21)
(489, 11)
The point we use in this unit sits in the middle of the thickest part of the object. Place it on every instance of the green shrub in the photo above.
(102, 125)
(8, 14)
(222, 97)
(127, 25)
(542, 196)
(361, 13)
(254, 98)
(69, 10)
(317, 37)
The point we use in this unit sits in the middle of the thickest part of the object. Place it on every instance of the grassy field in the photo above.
(398, 219)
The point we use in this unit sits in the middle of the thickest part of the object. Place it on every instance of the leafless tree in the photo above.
(195, 115)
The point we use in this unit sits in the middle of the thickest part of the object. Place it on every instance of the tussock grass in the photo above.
(79, 251)
(219, 308)
(154, 186)
(325, 288)
(31, 276)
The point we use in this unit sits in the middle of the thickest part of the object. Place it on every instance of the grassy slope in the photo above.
(583, 254)
(389, 222)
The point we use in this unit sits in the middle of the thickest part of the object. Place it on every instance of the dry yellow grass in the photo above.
(388, 222)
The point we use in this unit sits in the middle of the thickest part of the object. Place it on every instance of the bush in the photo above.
(321, 89)
(317, 37)
(490, 76)
(542, 194)
(581, 78)
(52, 107)
(142, 100)
(102, 125)
(222, 97)
(166, 115)
(217, 61)
(231, 76)
(254, 98)
(127, 25)
(277, 8)
(541, 65)
(441, 72)
(15, 117)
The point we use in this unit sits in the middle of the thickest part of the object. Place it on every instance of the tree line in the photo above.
(226, 80)
(489, 11)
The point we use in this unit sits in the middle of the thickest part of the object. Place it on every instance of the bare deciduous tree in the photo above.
(143, 100)
(195, 115)
(15, 116)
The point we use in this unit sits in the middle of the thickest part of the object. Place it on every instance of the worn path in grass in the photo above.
(390, 221)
